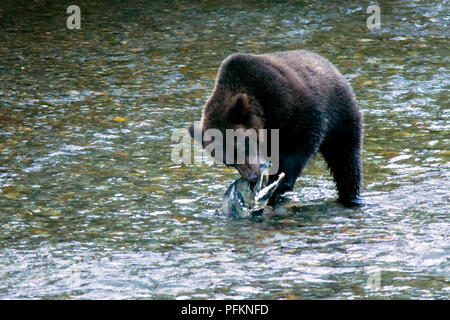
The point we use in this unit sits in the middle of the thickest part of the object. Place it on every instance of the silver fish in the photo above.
(241, 200)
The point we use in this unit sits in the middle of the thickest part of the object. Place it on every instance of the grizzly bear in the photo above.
(304, 96)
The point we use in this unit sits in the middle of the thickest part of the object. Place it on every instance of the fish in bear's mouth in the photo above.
(244, 199)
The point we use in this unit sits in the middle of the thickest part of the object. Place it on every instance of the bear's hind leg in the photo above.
(341, 151)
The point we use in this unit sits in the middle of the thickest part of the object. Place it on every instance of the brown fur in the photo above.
(306, 98)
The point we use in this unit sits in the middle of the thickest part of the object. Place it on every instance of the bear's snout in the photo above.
(249, 172)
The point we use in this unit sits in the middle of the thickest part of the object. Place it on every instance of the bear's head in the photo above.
(238, 147)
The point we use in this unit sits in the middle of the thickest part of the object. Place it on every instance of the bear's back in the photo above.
(314, 70)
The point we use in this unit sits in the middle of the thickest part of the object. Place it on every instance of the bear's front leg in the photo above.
(292, 165)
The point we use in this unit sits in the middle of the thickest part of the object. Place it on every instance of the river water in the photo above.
(91, 205)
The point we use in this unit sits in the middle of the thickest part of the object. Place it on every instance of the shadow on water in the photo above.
(92, 207)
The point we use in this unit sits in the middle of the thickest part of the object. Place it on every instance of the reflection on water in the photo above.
(92, 207)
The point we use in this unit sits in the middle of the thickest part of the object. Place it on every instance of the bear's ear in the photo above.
(240, 110)
(191, 130)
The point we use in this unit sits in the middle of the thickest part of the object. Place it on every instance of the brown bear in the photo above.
(304, 96)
